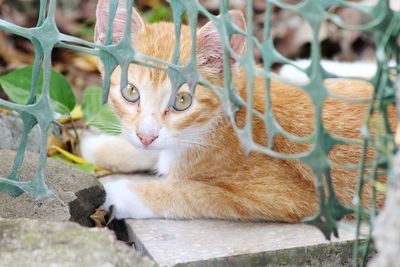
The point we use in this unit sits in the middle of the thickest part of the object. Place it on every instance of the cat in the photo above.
(203, 170)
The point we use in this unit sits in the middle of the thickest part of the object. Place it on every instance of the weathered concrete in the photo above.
(26, 242)
(81, 192)
(226, 243)
(387, 227)
(11, 129)
(386, 231)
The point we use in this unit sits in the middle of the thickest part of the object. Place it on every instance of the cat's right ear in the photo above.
(210, 48)
(102, 15)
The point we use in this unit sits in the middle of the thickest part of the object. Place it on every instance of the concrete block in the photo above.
(39, 243)
(227, 243)
(80, 192)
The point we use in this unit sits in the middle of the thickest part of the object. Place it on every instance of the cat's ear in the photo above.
(102, 15)
(210, 48)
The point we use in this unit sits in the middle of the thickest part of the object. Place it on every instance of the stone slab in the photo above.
(80, 192)
(27, 242)
(228, 243)
(11, 129)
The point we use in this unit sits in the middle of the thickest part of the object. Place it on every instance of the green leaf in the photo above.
(85, 28)
(160, 13)
(86, 167)
(92, 102)
(98, 115)
(17, 85)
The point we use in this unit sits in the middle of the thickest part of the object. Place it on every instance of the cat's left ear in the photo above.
(102, 15)
(210, 49)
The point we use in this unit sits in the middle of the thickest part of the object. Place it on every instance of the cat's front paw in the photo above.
(115, 153)
(128, 204)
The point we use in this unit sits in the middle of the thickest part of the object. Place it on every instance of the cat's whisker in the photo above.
(108, 126)
(105, 123)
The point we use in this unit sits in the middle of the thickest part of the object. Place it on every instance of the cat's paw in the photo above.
(127, 202)
(115, 153)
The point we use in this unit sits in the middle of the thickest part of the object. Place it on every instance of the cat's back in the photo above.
(343, 110)
(344, 106)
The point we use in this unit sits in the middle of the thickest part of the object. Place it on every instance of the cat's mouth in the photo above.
(153, 146)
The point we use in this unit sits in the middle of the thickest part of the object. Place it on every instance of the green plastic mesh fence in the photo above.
(384, 22)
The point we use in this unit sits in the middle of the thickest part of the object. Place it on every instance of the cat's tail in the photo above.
(115, 153)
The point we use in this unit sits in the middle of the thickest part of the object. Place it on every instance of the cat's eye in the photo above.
(130, 93)
(183, 101)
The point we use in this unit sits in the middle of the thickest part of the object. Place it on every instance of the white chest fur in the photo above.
(167, 159)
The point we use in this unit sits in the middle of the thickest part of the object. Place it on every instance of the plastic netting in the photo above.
(384, 22)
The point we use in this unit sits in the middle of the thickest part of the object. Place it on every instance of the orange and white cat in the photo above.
(203, 171)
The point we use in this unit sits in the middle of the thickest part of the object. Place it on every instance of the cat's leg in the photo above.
(187, 199)
(115, 153)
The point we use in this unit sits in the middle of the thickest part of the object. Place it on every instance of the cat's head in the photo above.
(142, 106)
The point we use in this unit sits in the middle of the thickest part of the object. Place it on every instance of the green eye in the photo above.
(130, 93)
(183, 101)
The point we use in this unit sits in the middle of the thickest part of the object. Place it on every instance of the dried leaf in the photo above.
(54, 142)
(103, 217)
(76, 114)
(11, 55)
(70, 156)
(6, 111)
(78, 162)
(71, 135)
(85, 62)
(99, 217)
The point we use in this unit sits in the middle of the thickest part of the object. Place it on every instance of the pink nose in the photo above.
(146, 139)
